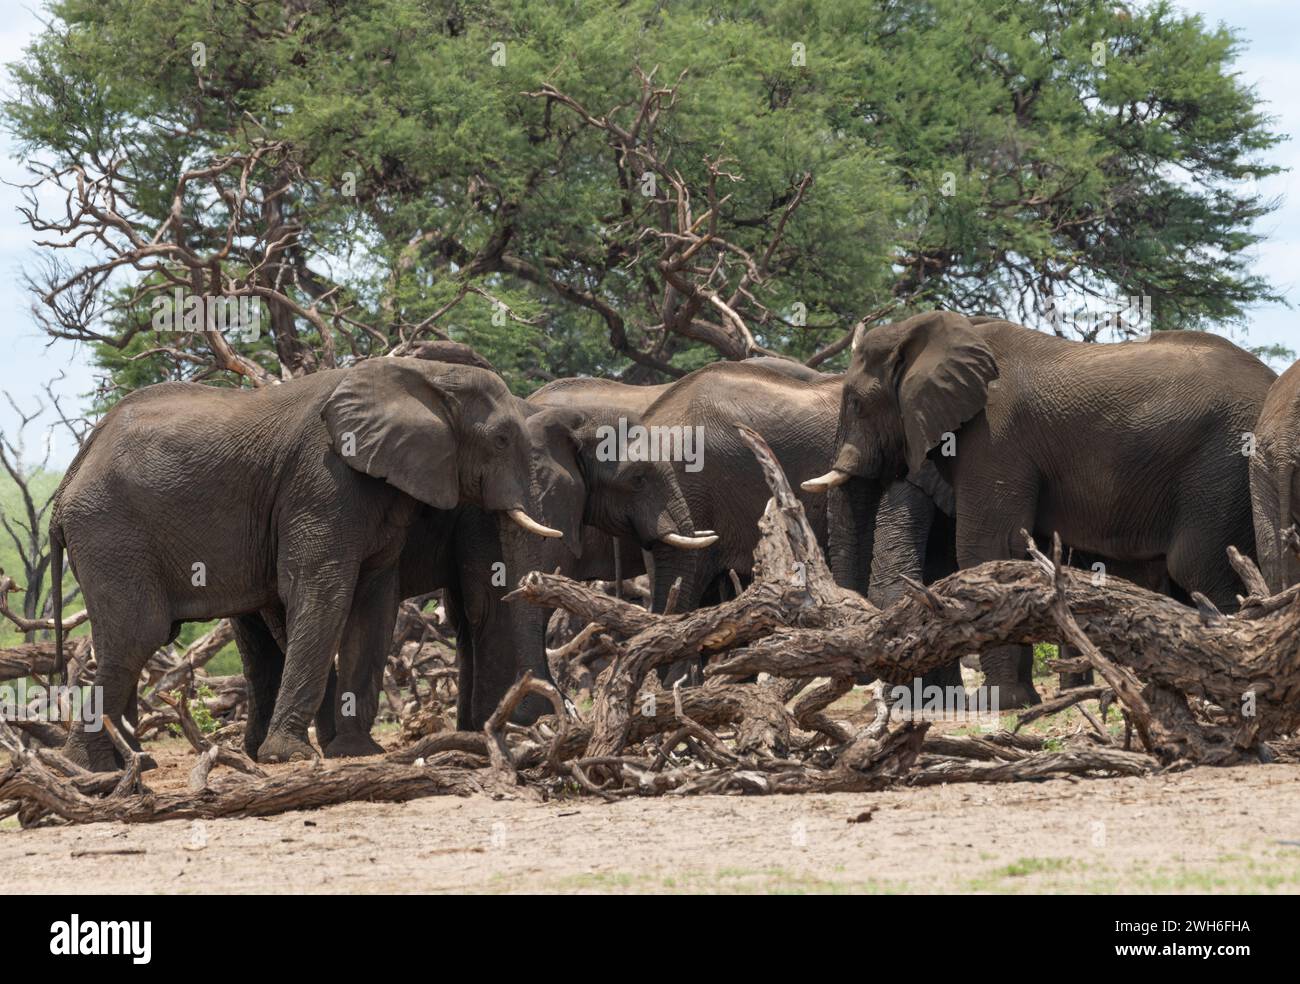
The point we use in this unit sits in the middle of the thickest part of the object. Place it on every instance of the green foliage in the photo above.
(199, 712)
(1044, 654)
(964, 153)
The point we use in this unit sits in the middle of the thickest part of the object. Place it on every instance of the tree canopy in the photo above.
(632, 188)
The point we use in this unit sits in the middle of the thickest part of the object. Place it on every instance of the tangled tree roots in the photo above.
(1195, 687)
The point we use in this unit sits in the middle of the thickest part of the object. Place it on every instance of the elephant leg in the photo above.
(326, 728)
(317, 609)
(363, 654)
(905, 518)
(263, 661)
(121, 649)
(988, 528)
(1197, 561)
(1006, 670)
(453, 604)
(465, 683)
(1069, 681)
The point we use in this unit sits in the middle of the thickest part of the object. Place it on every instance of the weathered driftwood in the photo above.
(67, 793)
(197, 654)
(1075, 761)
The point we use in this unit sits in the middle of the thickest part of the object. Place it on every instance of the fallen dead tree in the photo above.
(1195, 687)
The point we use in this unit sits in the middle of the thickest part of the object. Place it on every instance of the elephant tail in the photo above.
(56, 589)
(1272, 498)
(1285, 484)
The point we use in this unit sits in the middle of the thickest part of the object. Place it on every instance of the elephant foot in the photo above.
(1013, 696)
(530, 709)
(285, 748)
(97, 756)
(688, 671)
(354, 745)
(1071, 680)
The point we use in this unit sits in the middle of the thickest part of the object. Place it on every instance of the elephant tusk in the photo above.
(531, 525)
(821, 483)
(690, 542)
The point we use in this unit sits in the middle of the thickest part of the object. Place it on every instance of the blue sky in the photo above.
(1270, 30)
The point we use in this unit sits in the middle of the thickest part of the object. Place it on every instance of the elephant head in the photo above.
(497, 641)
(631, 497)
(908, 385)
(446, 435)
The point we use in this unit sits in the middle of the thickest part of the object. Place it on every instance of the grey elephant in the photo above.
(190, 502)
(1133, 451)
(724, 486)
(1275, 480)
(610, 400)
(484, 556)
(476, 558)
(609, 551)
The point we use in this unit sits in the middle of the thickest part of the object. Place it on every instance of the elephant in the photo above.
(594, 393)
(1131, 451)
(474, 556)
(477, 558)
(604, 555)
(291, 501)
(1275, 480)
(725, 490)
(610, 558)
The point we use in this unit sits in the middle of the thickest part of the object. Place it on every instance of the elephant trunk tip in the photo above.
(531, 525)
(830, 480)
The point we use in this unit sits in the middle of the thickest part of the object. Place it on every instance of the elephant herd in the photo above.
(307, 510)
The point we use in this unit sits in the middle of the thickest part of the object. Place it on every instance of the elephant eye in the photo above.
(856, 407)
(638, 483)
(501, 442)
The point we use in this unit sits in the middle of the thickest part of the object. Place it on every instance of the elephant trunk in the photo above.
(851, 527)
(902, 530)
(672, 562)
(498, 641)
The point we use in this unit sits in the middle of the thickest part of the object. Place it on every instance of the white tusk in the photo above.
(690, 542)
(821, 483)
(531, 525)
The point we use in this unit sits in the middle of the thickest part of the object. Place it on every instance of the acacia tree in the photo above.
(632, 189)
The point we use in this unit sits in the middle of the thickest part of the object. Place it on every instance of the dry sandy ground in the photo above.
(1210, 830)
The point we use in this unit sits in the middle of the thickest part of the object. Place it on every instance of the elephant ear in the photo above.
(560, 487)
(929, 481)
(943, 370)
(389, 418)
